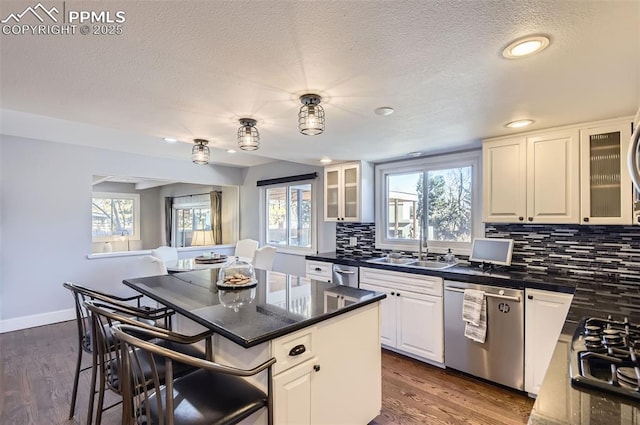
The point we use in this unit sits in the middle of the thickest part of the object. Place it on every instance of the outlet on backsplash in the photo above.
(353, 241)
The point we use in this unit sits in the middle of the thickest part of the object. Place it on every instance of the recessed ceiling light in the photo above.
(415, 154)
(519, 123)
(326, 160)
(526, 46)
(230, 151)
(170, 140)
(384, 110)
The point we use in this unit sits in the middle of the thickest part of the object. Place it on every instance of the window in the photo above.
(289, 219)
(190, 213)
(114, 215)
(437, 197)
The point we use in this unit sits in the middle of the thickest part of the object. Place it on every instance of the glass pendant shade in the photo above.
(248, 136)
(200, 152)
(311, 115)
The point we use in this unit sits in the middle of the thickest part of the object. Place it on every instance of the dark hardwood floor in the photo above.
(37, 377)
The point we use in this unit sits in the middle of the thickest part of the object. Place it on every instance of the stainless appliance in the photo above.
(604, 355)
(345, 275)
(633, 155)
(500, 358)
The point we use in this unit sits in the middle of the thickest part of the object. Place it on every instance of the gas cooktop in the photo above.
(604, 355)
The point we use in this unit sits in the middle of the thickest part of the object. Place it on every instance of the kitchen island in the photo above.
(325, 338)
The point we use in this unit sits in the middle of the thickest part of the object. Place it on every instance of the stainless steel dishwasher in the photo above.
(345, 275)
(500, 358)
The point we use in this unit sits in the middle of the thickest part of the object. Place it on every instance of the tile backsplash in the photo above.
(612, 251)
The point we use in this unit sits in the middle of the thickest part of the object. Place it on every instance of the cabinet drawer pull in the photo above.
(316, 367)
(521, 218)
(297, 350)
(318, 269)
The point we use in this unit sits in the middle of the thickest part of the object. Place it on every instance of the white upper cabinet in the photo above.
(532, 179)
(606, 193)
(504, 165)
(553, 177)
(348, 192)
(572, 174)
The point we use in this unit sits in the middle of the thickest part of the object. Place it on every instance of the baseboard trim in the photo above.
(25, 322)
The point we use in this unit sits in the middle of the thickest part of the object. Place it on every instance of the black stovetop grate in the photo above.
(604, 355)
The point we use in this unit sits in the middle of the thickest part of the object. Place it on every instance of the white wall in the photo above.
(250, 217)
(45, 220)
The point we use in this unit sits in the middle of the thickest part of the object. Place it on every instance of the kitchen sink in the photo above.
(435, 265)
(387, 260)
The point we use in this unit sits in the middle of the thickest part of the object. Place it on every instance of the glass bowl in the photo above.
(238, 274)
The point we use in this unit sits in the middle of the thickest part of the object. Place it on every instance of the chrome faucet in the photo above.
(422, 244)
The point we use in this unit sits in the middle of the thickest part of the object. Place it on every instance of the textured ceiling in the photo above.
(191, 69)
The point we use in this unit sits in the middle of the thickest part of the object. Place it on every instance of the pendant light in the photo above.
(200, 152)
(248, 136)
(311, 115)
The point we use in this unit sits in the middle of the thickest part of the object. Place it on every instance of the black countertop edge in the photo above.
(305, 324)
(461, 273)
(248, 343)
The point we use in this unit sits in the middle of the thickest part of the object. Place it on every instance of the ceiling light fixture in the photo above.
(248, 136)
(384, 111)
(526, 46)
(200, 152)
(170, 140)
(415, 154)
(326, 160)
(231, 151)
(311, 115)
(519, 123)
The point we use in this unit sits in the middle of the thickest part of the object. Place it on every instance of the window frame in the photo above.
(426, 164)
(135, 236)
(184, 206)
(264, 220)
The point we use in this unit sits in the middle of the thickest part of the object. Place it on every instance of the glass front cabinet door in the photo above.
(606, 192)
(342, 192)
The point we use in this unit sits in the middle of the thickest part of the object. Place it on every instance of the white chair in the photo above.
(165, 253)
(246, 249)
(263, 258)
(148, 265)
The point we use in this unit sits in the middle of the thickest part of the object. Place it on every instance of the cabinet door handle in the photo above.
(398, 294)
(521, 218)
(297, 350)
(393, 293)
(529, 297)
(316, 367)
(586, 219)
(530, 218)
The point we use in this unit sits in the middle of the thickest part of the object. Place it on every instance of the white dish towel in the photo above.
(474, 313)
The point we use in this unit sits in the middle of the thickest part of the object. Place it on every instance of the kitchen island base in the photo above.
(337, 379)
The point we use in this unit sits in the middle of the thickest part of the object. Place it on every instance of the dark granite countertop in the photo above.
(561, 403)
(279, 304)
(466, 273)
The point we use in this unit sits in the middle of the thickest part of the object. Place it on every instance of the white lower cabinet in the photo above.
(337, 379)
(545, 314)
(412, 314)
(292, 394)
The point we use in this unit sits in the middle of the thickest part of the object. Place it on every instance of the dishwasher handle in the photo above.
(486, 294)
(343, 271)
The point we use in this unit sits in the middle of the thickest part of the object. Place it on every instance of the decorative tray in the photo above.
(211, 260)
(241, 284)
